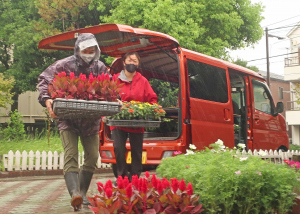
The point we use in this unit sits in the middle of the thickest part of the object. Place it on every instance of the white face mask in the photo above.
(87, 57)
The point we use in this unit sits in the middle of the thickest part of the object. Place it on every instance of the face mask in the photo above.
(130, 68)
(87, 57)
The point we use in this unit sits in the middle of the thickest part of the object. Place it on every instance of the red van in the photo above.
(205, 98)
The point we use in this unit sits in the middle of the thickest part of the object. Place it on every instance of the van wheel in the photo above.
(114, 168)
(282, 148)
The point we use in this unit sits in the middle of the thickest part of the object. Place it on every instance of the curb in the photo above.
(15, 174)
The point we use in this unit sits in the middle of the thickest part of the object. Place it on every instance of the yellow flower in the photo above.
(137, 101)
(148, 104)
(132, 102)
(141, 107)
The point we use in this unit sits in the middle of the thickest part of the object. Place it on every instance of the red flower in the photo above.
(120, 182)
(100, 186)
(147, 174)
(114, 78)
(107, 76)
(144, 186)
(159, 186)
(165, 183)
(156, 110)
(63, 74)
(125, 182)
(59, 74)
(161, 111)
(54, 79)
(187, 166)
(154, 181)
(131, 110)
(82, 77)
(182, 185)
(175, 184)
(91, 78)
(108, 192)
(129, 191)
(135, 181)
(108, 185)
(189, 189)
(99, 78)
(72, 75)
(127, 105)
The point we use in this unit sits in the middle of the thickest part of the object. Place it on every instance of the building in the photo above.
(292, 74)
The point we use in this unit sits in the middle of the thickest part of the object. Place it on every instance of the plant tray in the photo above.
(133, 123)
(80, 109)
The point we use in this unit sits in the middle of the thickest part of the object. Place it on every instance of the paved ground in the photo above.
(41, 194)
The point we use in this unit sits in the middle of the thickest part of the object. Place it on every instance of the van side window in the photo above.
(262, 97)
(207, 82)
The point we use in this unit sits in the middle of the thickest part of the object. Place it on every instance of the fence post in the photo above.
(61, 160)
(55, 161)
(37, 160)
(44, 158)
(10, 161)
(50, 155)
(24, 160)
(31, 157)
(18, 160)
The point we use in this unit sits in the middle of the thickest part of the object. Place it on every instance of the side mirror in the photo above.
(279, 107)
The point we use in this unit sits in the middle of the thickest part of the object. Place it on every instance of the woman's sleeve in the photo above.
(150, 95)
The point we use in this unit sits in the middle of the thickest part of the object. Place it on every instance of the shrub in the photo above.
(145, 195)
(15, 127)
(228, 183)
(294, 147)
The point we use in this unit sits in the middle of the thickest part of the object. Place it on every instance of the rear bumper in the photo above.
(154, 151)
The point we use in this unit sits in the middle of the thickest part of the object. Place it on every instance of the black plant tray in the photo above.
(80, 109)
(133, 123)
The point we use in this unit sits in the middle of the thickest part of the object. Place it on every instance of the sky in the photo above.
(275, 12)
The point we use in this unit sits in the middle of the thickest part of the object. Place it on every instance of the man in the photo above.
(85, 60)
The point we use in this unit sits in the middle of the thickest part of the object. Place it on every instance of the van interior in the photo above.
(162, 71)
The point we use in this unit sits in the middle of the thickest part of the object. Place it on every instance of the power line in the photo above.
(265, 63)
(272, 56)
(282, 21)
(283, 27)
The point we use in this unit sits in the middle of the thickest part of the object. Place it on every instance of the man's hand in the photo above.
(48, 104)
(120, 102)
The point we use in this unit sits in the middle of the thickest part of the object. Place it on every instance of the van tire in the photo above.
(283, 148)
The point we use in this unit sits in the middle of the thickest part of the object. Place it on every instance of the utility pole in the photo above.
(268, 63)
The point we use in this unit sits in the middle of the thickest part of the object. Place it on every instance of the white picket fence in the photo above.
(40, 161)
(274, 156)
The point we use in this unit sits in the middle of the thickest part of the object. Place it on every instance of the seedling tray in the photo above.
(80, 109)
(133, 123)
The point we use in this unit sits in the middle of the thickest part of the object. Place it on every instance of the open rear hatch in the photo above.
(114, 40)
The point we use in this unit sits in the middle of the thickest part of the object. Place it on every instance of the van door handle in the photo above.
(226, 114)
(256, 119)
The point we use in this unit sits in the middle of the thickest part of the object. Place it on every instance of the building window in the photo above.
(280, 93)
(207, 82)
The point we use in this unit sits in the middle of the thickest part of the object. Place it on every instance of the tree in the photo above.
(6, 86)
(244, 63)
(211, 27)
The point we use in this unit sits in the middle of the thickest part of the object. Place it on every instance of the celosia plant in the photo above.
(293, 164)
(149, 195)
(93, 88)
(140, 110)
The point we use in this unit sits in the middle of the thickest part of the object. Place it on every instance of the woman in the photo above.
(137, 88)
(85, 60)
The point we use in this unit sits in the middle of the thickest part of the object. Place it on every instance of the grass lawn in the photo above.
(40, 144)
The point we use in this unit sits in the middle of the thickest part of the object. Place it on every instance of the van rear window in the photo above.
(207, 82)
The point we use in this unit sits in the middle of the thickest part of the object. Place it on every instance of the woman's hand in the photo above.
(120, 102)
(49, 104)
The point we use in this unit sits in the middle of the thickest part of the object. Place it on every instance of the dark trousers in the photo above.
(136, 144)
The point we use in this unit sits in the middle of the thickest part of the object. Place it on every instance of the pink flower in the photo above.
(63, 74)
(59, 74)
(177, 153)
(187, 166)
(99, 78)
(72, 75)
(140, 184)
(159, 186)
(174, 184)
(189, 189)
(144, 186)
(103, 76)
(147, 174)
(135, 181)
(125, 181)
(154, 181)
(91, 78)
(165, 183)
(108, 185)
(108, 192)
(54, 79)
(100, 186)
(129, 191)
(258, 172)
(107, 76)
(120, 182)
(238, 172)
(114, 78)
(82, 77)
(182, 185)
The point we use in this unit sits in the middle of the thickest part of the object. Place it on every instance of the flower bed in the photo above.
(84, 98)
(148, 195)
(228, 183)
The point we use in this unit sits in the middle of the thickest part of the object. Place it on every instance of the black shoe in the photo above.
(115, 184)
(71, 179)
(85, 178)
